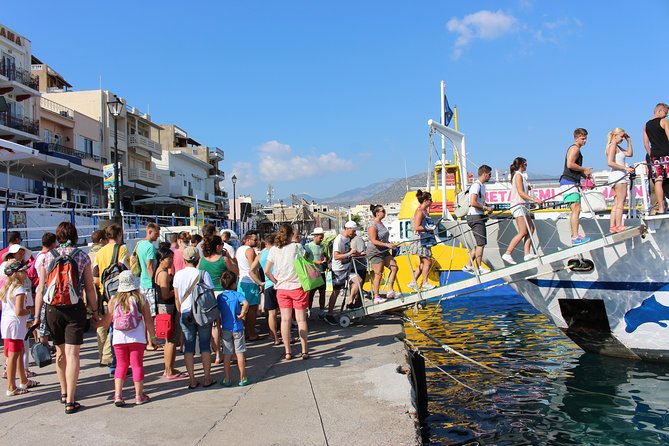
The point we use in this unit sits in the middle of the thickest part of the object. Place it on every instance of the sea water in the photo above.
(547, 390)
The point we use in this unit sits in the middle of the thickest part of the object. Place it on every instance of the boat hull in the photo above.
(619, 308)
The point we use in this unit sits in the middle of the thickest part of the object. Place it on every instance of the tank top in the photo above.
(572, 175)
(243, 264)
(382, 235)
(516, 199)
(215, 270)
(619, 159)
(659, 145)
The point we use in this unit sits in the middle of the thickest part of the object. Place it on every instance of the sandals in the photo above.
(191, 386)
(210, 384)
(305, 356)
(17, 391)
(143, 398)
(29, 384)
(30, 374)
(63, 398)
(71, 408)
(288, 356)
(118, 401)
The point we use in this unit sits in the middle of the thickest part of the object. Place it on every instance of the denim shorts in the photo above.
(191, 330)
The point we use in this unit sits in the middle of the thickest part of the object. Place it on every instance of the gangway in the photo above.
(347, 316)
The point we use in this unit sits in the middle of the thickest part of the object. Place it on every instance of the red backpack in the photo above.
(62, 279)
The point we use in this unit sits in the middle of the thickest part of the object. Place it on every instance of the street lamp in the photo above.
(115, 108)
(234, 200)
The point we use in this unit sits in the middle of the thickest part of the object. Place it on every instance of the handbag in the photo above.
(308, 273)
(39, 352)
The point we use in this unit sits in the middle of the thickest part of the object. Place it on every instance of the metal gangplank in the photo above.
(347, 316)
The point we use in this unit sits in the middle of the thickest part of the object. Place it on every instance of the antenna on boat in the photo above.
(406, 175)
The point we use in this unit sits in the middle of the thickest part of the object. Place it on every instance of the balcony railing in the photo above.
(19, 123)
(144, 143)
(50, 148)
(56, 108)
(9, 70)
(144, 176)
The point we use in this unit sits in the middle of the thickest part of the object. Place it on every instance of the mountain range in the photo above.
(391, 190)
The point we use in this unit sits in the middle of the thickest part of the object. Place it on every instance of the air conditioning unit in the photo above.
(173, 173)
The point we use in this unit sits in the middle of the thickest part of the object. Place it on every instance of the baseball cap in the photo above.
(191, 255)
(13, 249)
(351, 225)
(318, 231)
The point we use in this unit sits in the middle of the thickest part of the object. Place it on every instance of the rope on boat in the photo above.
(416, 350)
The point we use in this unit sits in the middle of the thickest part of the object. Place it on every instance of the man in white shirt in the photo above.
(225, 236)
(342, 270)
(476, 219)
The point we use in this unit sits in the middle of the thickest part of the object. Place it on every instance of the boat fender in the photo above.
(581, 265)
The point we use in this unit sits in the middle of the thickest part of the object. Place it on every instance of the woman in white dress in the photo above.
(619, 174)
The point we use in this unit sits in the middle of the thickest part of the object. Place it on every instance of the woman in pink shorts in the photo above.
(280, 270)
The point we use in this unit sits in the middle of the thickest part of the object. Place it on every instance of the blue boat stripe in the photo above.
(590, 285)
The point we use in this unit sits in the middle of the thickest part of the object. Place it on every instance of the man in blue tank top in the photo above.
(570, 182)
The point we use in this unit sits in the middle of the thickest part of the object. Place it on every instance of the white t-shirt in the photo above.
(342, 245)
(479, 189)
(283, 267)
(39, 262)
(11, 325)
(183, 279)
(136, 335)
(230, 250)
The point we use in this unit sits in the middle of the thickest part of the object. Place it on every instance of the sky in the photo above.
(322, 97)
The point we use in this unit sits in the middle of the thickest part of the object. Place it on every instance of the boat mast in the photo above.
(443, 151)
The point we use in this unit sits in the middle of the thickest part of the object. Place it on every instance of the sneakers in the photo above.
(225, 383)
(468, 269)
(427, 287)
(529, 257)
(508, 259)
(244, 382)
(483, 270)
(413, 285)
(379, 300)
(392, 294)
(330, 319)
(579, 240)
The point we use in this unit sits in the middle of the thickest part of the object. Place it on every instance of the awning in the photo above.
(10, 151)
(160, 200)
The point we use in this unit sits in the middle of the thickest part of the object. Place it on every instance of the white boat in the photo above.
(618, 303)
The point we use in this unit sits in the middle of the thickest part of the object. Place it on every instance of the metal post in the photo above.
(117, 194)
(234, 206)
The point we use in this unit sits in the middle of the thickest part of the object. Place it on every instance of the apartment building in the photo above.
(135, 134)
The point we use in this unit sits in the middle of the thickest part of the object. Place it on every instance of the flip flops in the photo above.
(177, 376)
(17, 391)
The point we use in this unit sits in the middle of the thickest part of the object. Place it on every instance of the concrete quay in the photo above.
(348, 393)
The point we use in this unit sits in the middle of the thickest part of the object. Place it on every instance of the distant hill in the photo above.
(360, 194)
(396, 191)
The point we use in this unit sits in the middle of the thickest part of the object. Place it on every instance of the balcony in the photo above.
(56, 108)
(216, 173)
(145, 143)
(24, 77)
(20, 123)
(68, 153)
(143, 176)
(215, 154)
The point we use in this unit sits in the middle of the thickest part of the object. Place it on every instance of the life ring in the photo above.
(581, 265)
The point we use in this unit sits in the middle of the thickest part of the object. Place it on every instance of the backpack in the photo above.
(135, 266)
(126, 321)
(62, 279)
(462, 203)
(32, 271)
(205, 305)
(109, 277)
(328, 243)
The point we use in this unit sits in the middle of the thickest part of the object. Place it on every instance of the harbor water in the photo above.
(547, 390)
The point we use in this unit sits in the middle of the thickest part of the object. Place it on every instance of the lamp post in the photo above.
(115, 107)
(234, 200)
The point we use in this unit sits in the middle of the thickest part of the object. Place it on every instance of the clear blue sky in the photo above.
(320, 97)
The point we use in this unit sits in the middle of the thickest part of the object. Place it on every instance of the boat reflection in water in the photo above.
(552, 392)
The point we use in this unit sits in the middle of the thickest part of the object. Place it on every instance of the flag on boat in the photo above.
(448, 113)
